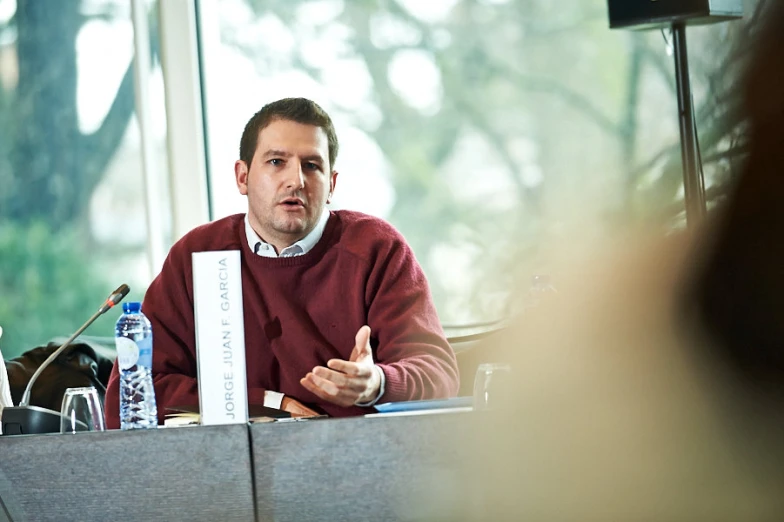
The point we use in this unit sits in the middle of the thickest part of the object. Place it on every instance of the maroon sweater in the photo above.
(302, 311)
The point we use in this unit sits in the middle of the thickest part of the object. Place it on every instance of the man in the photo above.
(338, 313)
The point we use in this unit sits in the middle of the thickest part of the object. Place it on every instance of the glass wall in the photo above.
(72, 214)
(482, 129)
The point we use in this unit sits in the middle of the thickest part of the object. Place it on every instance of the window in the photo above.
(72, 202)
(482, 129)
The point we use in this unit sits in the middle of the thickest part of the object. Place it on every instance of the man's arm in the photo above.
(412, 352)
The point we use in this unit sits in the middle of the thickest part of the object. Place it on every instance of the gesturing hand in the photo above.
(346, 383)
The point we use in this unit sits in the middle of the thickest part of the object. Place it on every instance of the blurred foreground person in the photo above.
(653, 389)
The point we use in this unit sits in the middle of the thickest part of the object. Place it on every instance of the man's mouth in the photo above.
(292, 203)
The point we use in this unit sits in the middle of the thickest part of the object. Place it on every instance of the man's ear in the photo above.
(333, 179)
(241, 176)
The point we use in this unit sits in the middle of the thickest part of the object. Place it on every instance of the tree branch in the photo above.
(100, 146)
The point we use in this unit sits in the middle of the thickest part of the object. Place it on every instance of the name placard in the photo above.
(220, 337)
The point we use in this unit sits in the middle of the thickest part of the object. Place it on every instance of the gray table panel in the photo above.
(197, 473)
(381, 468)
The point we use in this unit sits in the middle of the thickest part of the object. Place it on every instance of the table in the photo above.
(373, 468)
(381, 468)
(199, 473)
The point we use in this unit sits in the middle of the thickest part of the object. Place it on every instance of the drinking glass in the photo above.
(491, 384)
(81, 411)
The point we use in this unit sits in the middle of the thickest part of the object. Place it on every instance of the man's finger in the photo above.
(350, 368)
(326, 390)
(361, 345)
(343, 380)
(307, 383)
(330, 388)
(331, 375)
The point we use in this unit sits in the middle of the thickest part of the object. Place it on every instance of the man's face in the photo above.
(288, 183)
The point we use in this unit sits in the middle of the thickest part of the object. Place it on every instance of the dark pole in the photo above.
(693, 183)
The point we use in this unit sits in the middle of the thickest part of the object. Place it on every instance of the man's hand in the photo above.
(346, 383)
(296, 408)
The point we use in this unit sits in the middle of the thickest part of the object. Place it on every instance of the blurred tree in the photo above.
(54, 166)
(49, 169)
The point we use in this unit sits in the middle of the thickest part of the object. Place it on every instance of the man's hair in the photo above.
(300, 110)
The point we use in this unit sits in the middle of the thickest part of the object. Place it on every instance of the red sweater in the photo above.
(302, 311)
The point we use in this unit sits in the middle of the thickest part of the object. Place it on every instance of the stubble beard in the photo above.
(291, 226)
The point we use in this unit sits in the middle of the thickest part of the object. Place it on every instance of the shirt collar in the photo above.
(301, 247)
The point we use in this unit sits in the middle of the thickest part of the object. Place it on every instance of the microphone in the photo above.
(25, 419)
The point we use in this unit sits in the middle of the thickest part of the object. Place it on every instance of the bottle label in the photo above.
(127, 352)
(145, 351)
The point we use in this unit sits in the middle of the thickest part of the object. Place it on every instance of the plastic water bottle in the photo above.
(133, 338)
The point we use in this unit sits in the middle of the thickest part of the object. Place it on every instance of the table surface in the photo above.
(198, 473)
(379, 468)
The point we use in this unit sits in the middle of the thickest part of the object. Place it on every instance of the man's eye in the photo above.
(276, 162)
(312, 166)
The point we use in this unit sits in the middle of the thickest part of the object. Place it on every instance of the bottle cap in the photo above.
(132, 307)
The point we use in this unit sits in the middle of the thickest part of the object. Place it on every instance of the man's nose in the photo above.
(295, 178)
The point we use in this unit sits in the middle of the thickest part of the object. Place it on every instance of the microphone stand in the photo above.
(26, 419)
(26, 395)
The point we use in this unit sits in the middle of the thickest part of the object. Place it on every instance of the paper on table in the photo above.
(189, 415)
(193, 419)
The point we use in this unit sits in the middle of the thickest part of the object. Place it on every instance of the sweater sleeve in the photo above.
(412, 349)
(168, 304)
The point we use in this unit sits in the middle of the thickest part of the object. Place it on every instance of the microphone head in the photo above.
(114, 298)
(119, 294)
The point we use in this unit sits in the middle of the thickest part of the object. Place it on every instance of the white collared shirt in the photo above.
(301, 247)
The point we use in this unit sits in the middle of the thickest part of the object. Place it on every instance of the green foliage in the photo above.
(46, 288)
